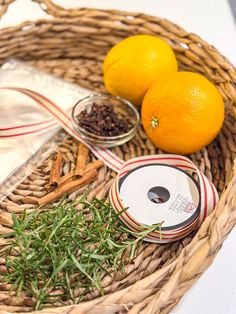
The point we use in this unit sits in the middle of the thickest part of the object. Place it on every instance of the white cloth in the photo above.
(17, 109)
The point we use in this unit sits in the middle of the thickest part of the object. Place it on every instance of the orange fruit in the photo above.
(133, 64)
(182, 112)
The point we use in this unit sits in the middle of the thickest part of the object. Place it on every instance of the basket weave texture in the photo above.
(72, 45)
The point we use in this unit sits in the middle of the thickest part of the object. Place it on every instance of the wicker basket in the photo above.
(72, 45)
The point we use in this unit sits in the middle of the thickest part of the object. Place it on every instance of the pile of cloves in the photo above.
(102, 120)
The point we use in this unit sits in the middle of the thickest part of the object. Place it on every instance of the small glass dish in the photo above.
(120, 106)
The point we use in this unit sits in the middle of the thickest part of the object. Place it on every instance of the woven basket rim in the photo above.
(39, 22)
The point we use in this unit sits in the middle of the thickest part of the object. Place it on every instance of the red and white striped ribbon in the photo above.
(208, 193)
(29, 128)
(63, 119)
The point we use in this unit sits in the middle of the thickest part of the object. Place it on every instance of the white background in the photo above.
(215, 291)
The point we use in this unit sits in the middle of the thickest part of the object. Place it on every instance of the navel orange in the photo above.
(133, 64)
(182, 112)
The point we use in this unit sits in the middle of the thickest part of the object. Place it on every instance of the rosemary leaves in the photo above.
(62, 254)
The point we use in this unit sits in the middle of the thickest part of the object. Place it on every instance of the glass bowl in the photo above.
(120, 106)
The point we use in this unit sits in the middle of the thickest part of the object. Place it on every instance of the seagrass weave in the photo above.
(72, 45)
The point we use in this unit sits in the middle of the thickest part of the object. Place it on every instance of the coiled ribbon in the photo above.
(208, 193)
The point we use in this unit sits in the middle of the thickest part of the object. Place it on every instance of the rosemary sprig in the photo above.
(59, 251)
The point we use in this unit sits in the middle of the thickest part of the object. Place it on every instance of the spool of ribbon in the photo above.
(192, 200)
(207, 195)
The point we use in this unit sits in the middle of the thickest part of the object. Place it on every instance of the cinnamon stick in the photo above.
(91, 166)
(83, 153)
(70, 186)
(55, 171)
(67, 177)
(94, 165)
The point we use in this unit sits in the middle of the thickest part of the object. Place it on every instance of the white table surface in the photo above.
(215, 291)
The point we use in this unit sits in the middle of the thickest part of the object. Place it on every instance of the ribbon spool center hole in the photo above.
(158, 194)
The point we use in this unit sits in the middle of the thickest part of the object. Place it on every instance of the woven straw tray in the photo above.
(72, 45)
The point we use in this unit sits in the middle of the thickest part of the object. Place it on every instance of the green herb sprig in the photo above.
(66, 249)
